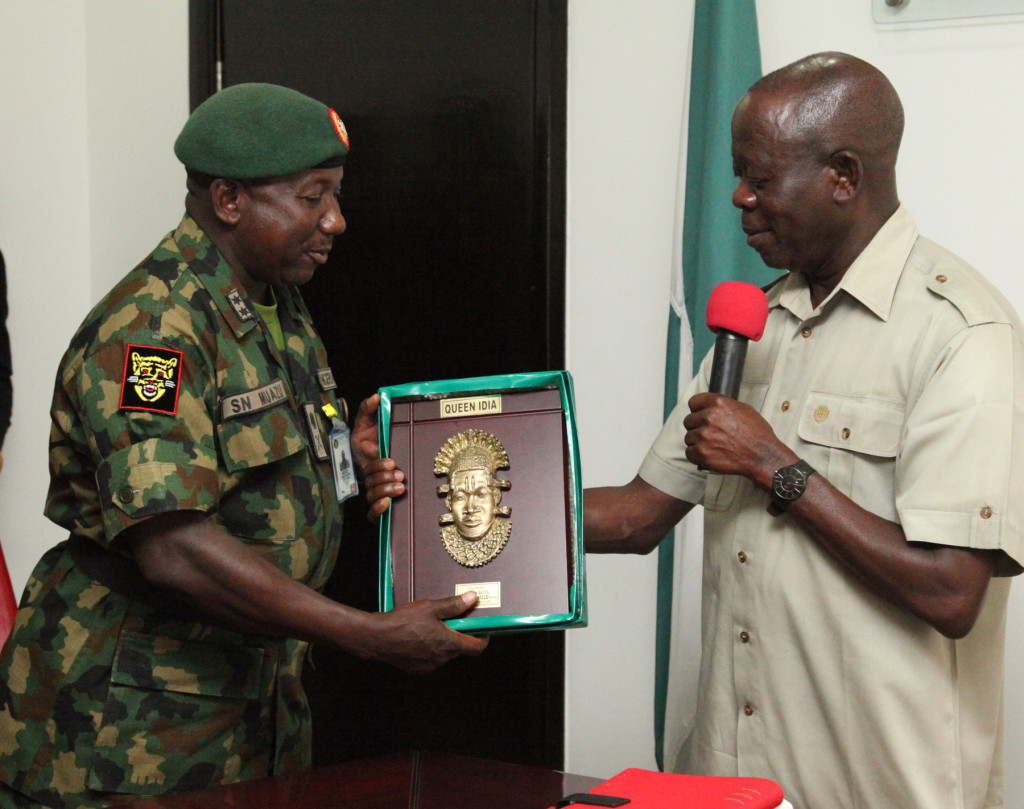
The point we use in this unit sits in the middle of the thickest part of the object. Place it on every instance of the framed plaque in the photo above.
(493, 500)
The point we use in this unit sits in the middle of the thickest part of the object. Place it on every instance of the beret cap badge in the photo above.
(339, 127)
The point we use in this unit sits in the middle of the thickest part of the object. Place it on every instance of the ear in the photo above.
(847, 171)
(226, 197)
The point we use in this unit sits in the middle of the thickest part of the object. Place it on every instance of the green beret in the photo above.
(247, 131)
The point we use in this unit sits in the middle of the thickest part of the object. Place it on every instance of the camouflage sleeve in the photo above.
(145, 411)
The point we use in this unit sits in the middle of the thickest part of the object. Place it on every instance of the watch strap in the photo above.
(776, 507)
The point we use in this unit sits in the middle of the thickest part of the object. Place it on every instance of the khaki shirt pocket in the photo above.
(857, 440)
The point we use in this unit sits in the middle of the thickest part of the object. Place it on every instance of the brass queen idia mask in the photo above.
(476, 527)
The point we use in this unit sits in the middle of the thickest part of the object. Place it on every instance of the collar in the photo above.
(222, 282)
(871, 279)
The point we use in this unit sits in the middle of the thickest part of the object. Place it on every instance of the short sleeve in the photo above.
(962, 461)
(665, 466)
(150, 455)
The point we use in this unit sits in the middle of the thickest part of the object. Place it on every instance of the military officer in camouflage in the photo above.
(159, 649)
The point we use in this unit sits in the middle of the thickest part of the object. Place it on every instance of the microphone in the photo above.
(737, 312)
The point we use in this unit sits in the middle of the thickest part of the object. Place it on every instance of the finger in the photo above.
(472, 645)
(368, 407)
(380, 464)
(383, 477)
(378, 508)
(696, 418)
(466, 644)
(382, 489)
(377, 466)
(702, 401)
(453, 606)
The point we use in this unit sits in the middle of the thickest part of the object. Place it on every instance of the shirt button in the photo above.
(742, 557)
(126, 494)
(941, 279)
(986, 512)
(745, 637)
(748, 710)
(785, 406)
(806, 332)
(846, 432)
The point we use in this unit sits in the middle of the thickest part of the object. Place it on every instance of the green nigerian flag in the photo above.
(726, 60)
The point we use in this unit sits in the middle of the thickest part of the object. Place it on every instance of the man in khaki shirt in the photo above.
(853, 635)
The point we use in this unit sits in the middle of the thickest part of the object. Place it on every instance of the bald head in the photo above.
(832, 102)
(814, 149)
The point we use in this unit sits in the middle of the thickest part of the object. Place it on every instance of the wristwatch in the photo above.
(788, 483)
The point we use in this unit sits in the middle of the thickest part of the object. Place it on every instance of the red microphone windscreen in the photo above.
(738, 307)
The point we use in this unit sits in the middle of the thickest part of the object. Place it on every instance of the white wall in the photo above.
(94, 94)
(44, 235)
(628, 67)
(138, 101)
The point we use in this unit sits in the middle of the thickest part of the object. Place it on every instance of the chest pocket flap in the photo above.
(866, 425)
(254, 435)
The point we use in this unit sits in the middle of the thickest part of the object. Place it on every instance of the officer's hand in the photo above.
(365, 445)
(413, 638)
(382, 481)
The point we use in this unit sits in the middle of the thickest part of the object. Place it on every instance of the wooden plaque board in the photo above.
(537, 580)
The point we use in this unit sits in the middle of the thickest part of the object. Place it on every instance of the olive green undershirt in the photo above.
(269, 315)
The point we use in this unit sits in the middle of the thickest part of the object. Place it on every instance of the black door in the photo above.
(452, 266)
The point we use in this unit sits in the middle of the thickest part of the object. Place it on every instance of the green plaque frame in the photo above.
(540, 574)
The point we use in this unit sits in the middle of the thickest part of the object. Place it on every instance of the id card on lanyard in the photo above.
(340, 438)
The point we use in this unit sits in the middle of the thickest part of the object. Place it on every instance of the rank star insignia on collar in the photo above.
(151, 380)
(239, 305)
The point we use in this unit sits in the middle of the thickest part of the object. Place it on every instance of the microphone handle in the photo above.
(727, 365)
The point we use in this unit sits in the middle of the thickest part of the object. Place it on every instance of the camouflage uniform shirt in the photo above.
(172, 396)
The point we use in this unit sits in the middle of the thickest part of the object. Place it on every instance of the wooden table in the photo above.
(425, 780)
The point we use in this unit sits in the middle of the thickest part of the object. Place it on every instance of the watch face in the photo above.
(789, 483)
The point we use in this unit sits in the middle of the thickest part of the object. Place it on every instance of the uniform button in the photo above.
(846, 432)
(986, 512)
(126, 494)
(742, 557)
(806, 332)
(785, 406)
(745, 637)
(941, 279)
(748, 710)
